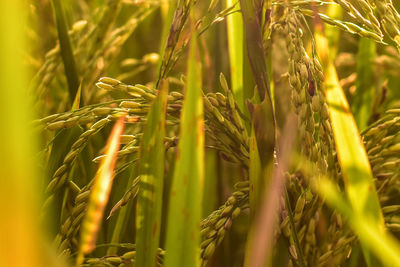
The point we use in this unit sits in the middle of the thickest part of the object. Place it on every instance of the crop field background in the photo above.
(214, 133)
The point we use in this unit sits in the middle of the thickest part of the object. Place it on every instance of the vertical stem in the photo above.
(235, 46)
(66, 50)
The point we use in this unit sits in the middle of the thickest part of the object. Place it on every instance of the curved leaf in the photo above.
(100, 193)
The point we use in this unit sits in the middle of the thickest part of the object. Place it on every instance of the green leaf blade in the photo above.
(235, 47)
(183, 229)
(364, 98)
(352, 156)
(66, 50)
(151, 171)
(384, 245)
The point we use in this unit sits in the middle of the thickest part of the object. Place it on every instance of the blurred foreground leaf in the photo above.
(100, 193)
(353, 159)
(21, 240)
(384, 245)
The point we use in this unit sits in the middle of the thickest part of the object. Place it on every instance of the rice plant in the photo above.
(200, 133)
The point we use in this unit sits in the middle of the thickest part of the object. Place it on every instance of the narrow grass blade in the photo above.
(249, 84)
(235, 47)
(365, 89)
(167, 8)
(75, 106)
(77, 99)
(263, 114)
(255, 50)
(353, 159)
(332, 33)
(100, 193)
(66, 50)
(120, 223)
(164, 8)
(255, 185)
(151, 171)
(383, 245)
(62, 143)
(210, 182)
(255, 173)
(183, 229)
(261, 236)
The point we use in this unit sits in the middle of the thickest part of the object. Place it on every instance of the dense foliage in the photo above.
(217, 133)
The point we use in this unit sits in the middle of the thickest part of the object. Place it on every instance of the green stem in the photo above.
(66, 50)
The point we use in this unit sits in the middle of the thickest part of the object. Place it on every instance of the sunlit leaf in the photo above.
(353, 159)
(384, 245)
(100, 193)
(21, 239)
(236, 52)
(77, 100)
